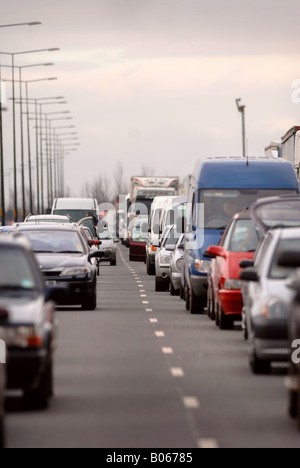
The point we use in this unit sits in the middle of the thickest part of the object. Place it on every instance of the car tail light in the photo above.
(153, 248)
(3, 314)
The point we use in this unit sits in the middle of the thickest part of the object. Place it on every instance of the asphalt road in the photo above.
(140, 372)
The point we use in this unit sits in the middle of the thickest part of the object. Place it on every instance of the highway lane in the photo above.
(140, 372)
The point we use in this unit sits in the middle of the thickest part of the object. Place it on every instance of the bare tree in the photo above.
(147, 171)
(121, 186)
(99, 189)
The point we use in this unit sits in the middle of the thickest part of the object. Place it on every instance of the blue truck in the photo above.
(220, 188)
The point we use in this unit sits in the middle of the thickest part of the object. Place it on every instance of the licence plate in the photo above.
(51, 283)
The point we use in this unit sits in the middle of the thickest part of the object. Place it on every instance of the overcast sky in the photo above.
(154, 82)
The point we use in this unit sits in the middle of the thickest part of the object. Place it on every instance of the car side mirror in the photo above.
(97, 254)
(246, 264)
(250, 275)
(209, 255)
(216, 251)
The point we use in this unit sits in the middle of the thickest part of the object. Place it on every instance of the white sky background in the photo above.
(154, 82)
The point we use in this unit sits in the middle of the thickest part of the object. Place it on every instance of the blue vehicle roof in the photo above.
(235, 173)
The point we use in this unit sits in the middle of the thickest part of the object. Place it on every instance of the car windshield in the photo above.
(245, 237)
(280, 214)
(281, 273)
(17, 273)
(55, 241)
(170, 240)
(140, 232)
(105, 235)
(76, 215)
(221, 205)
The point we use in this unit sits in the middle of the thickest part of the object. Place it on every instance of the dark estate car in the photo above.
(65, 259)
(26, 322)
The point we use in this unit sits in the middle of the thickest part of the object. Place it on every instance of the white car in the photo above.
(164, 249)
(267, 300)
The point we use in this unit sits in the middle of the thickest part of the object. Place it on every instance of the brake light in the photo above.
(35, 341)
(153, 248)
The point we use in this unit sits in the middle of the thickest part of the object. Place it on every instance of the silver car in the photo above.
(164, 250)
(108, 246)
(267, 301)
(176, 267)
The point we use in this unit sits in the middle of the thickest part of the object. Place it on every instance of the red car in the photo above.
(239, 242)
(138, 240)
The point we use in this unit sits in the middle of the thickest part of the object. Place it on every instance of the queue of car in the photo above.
(50, 262)
(237, 257)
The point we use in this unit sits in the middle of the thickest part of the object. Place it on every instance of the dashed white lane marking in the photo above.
(153, 320)
(208, 444)
(143, 295)
(167, 350)
(160, 334)
(142, 291)
(191, 402)
(177, 372)
(141, 286)
(145, 302)
(149, 310)
(139, 282)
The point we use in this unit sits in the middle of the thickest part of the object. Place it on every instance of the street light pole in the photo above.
(241, 108)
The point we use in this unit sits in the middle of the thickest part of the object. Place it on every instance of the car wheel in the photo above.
(211, 305)
(173, 291)
(113, 262)
(159, 285)
(181, 292)
(150, 268)
(91, 302)
(187, 298)
(293, 404)
(2, 433)
(197, 305)
(225, 323)
(39, 398)
(257, 365)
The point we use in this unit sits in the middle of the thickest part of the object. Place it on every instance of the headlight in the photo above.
(202, 266)
(22, 337)
(274, 308)
(165, 260)
(233, 284)
(179, 264)
(78, 272)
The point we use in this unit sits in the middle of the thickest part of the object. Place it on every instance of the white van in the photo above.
(76, 208)
(173, 211)
(154, 231)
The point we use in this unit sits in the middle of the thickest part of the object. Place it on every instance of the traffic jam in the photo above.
(144, 311)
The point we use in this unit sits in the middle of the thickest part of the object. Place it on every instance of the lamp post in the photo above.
(2, 210)
(241, 108)
(13, 55)
(22, 132)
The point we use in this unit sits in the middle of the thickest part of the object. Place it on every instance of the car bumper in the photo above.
(25, 367)
(163, 272)
(231, 302)
(76, 291)
(138, 253)
(271, 339)
(176, 280)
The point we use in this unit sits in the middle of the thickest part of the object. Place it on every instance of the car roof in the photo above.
(286, 233)
(46, 227)
(243, 215)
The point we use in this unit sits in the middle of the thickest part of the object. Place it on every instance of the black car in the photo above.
(64, 258)
(26, 322)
